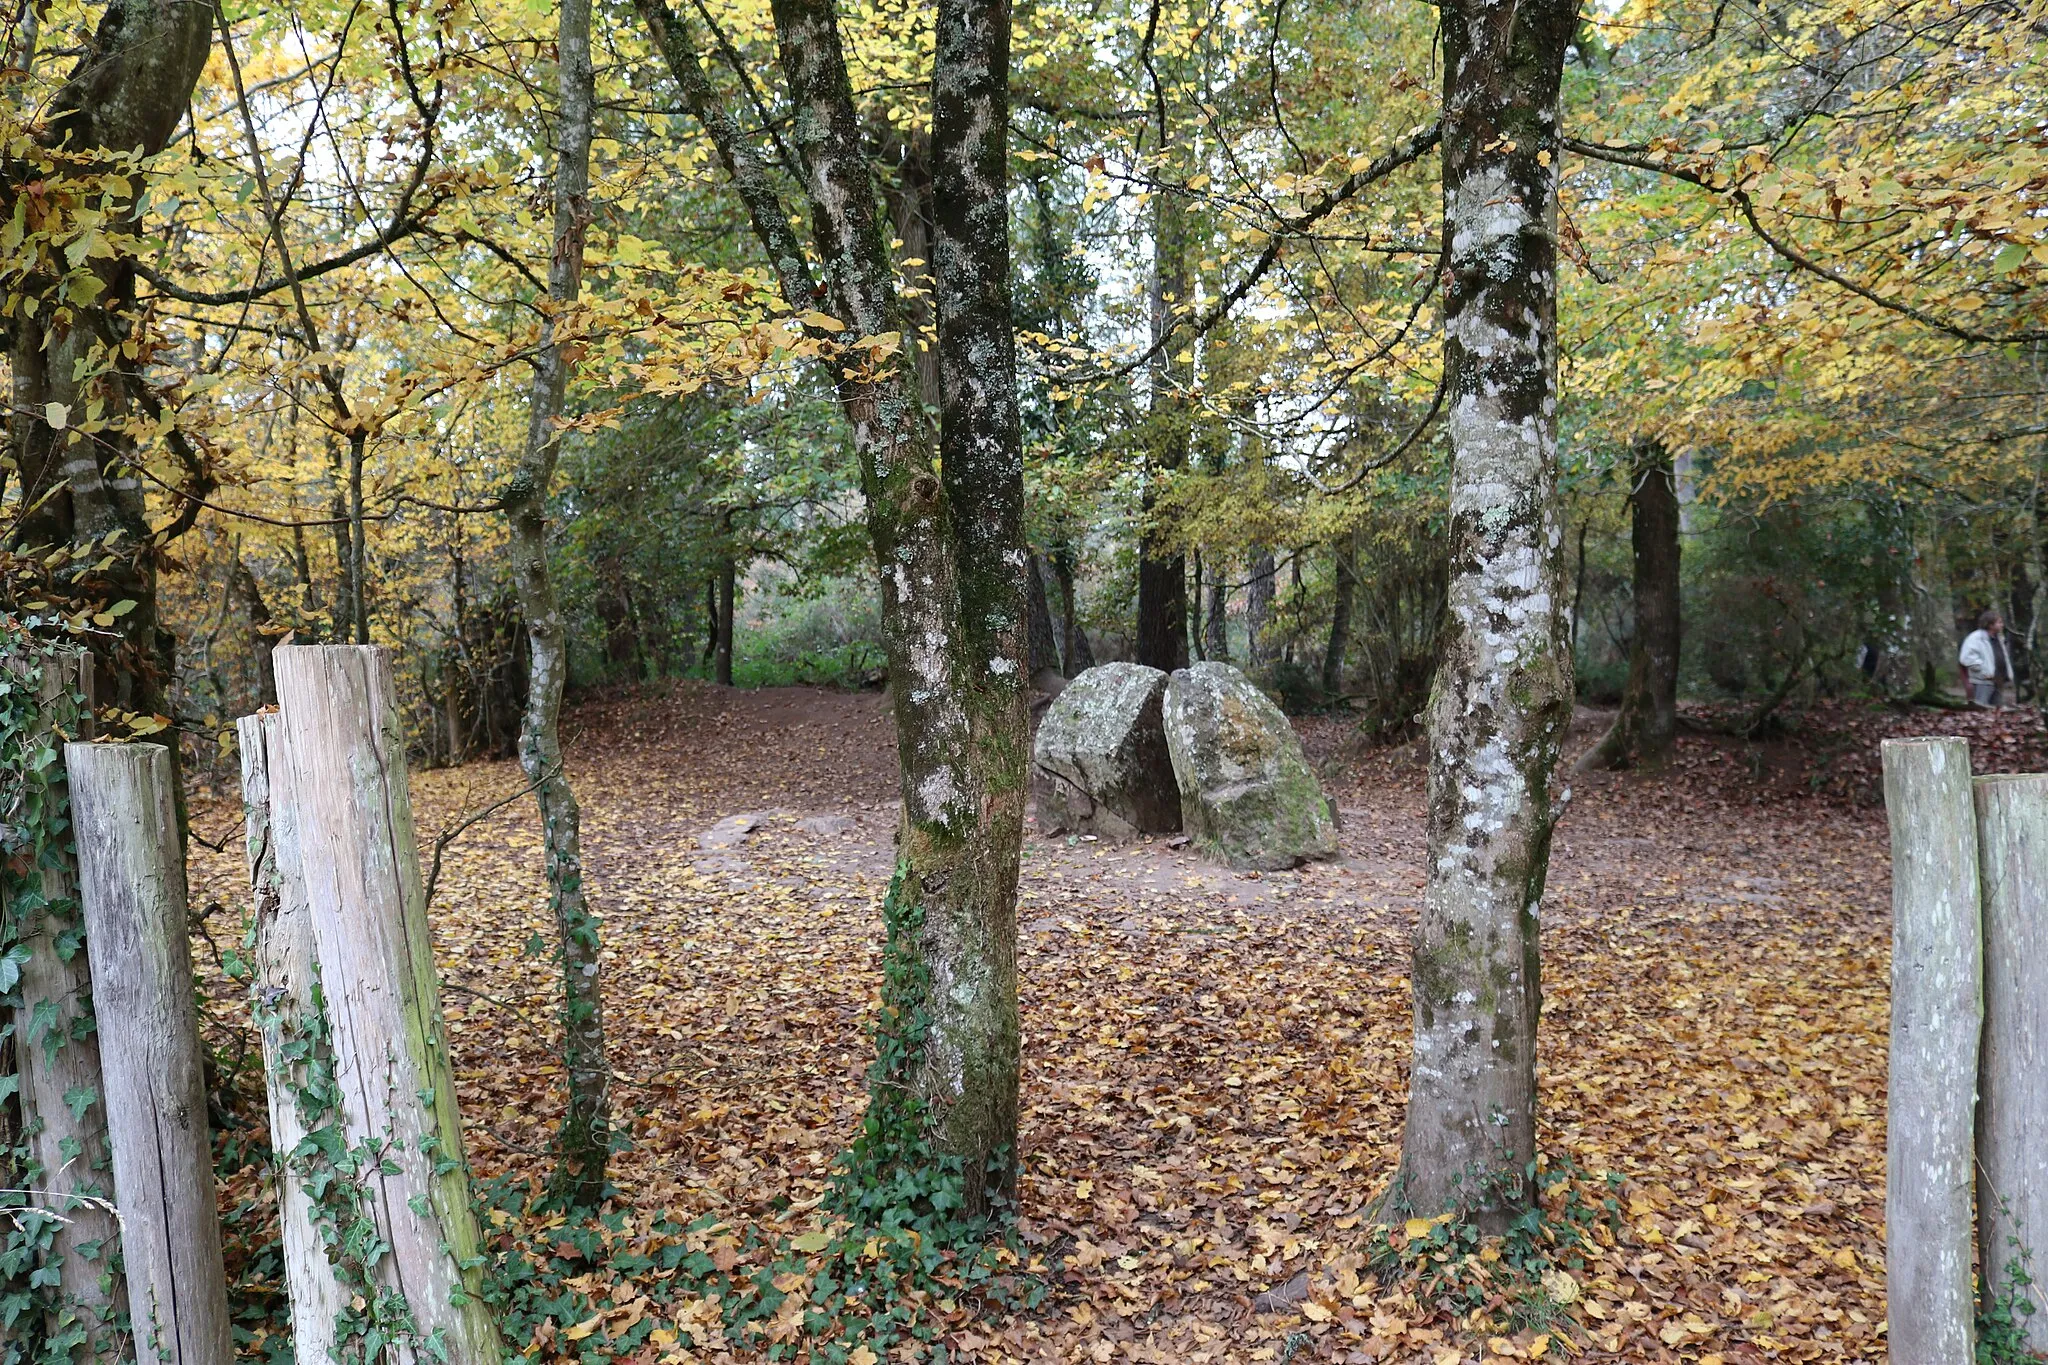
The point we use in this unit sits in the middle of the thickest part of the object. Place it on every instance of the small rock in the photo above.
(732, 830)
(1100, 764)
(825, 826)
(1247, 793)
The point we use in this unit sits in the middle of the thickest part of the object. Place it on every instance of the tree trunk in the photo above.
(402, 1181)
(1163, 573)
(298, 1063)
(1044, 651)
(1345, 552)
(1216, 621)
(721, 646)
(583, 1147)
(1076, 651)
(948, 548)
(1503, 690)
(1937, 1021)
(131, 879)
(56, 1049)
(128, 90)
(1647, 724)
(1258, 612)
(2012, 1085)
(257, 613)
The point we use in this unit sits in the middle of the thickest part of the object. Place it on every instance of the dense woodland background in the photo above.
(529, 341)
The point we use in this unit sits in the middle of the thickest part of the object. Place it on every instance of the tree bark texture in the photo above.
(2012, 1073)
(1345, 555)
(1937, 1021)
(132, 883)
(1044, 652)
(1647, 724)
(127, 91)
(403, 1165)
(721, 645)
(1162, 641)
(583, 1147)
(56, 1047)
(1258, 612)
(1216, 620)
(947, 540)
(1503, 690)
(297, 1059)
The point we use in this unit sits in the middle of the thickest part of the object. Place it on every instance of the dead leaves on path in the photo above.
(1214, 1071)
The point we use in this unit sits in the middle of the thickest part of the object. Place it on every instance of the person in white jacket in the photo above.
(1986, 665)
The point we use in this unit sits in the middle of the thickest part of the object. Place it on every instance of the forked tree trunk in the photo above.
(948, 546)
(1937, 1021)
(1647, 724)
(583, 1147)
(1503, 690)
(132, 883)
(55, 1046)
(402, 1182)
(298, 1059)
(2012, 1084)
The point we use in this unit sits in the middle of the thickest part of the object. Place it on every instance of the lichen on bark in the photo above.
(1502, 693)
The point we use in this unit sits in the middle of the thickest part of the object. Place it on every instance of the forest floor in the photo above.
(1213, 1067)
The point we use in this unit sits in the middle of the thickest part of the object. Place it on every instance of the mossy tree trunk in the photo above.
(129, 88)
(583, 1147)
(1647, 724)
(947, 539)
(1503, 688)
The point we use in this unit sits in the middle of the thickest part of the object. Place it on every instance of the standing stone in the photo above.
(1247, 793)
(1100, 764)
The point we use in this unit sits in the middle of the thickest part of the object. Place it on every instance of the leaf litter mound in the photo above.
(1213, 1070)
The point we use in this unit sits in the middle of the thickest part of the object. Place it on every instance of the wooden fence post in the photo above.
(1937, 1018)
(2012, 1103)
(55, 1050)
(344, 743)
(298, 1061)
(132, 884)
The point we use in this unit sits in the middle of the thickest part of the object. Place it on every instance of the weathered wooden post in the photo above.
(1937, 1017)
(132, 884)
(298, 1062)
(56, 1051)
(2012, 1103)
(344, 744)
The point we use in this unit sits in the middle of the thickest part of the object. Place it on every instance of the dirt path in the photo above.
(1214, 1063)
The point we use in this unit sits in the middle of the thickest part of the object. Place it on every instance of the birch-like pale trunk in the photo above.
(58, 1052)
(1937, 1021)
(286, 1007)
(583, 1147)
(2012, 1084)
(948, 549)
(1503, 690)
(131, 877)
(344, 747)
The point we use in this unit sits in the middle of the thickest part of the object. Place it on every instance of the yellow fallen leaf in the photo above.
(583, 1328)
(1315, 1312)
(861, 1355)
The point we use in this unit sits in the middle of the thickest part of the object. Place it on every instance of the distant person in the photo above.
(1986, 666)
